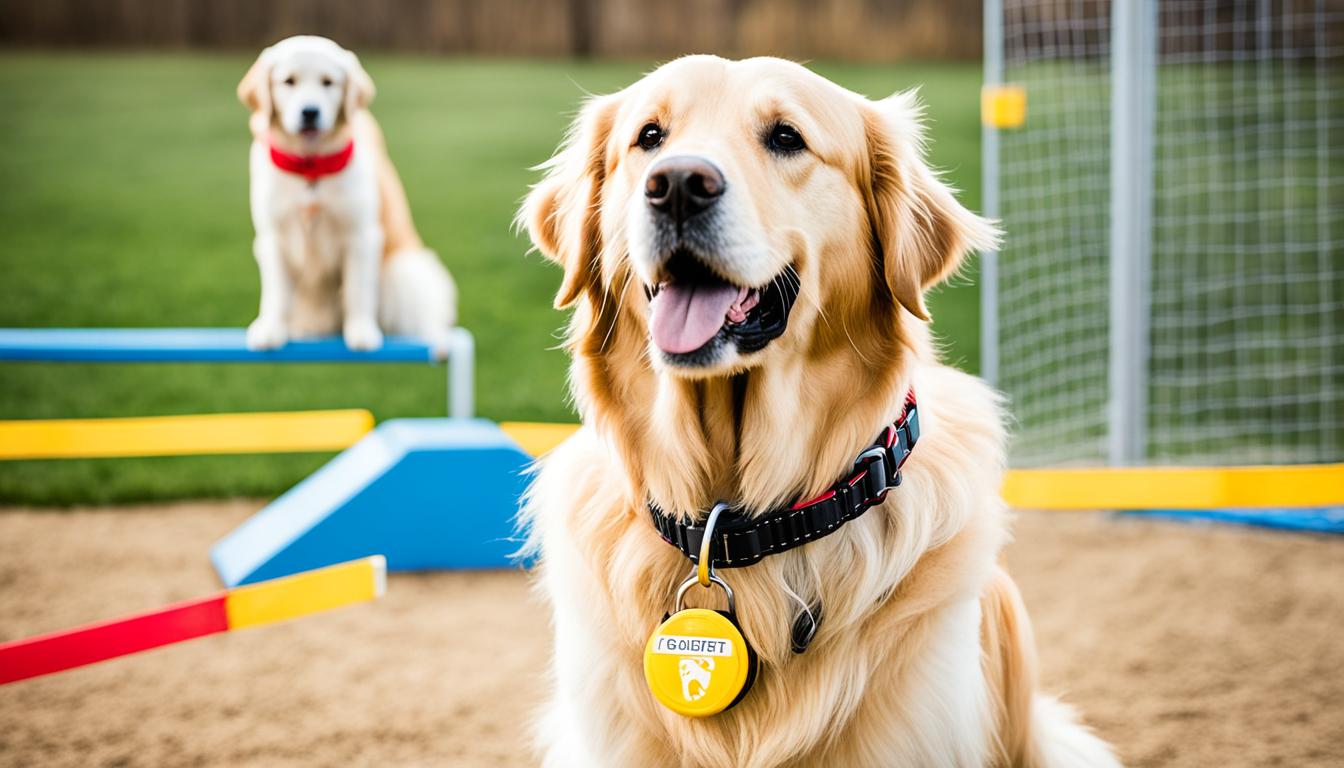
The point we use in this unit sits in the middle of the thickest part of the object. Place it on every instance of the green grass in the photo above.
(124, 203)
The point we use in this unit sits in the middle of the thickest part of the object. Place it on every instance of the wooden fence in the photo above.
(866, 30)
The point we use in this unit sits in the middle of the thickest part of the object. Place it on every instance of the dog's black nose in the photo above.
(683, 186)
(309, 115)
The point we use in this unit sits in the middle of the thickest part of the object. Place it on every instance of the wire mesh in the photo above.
(1246, 334)
(1054, 202)
(1247, 352)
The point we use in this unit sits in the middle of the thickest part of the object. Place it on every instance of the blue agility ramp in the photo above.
(427, 493)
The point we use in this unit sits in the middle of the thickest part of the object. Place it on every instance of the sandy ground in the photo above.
(1185, 646)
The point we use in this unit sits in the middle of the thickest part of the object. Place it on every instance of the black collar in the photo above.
(743, 540)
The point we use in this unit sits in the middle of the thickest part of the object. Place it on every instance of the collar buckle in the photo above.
(878, 478)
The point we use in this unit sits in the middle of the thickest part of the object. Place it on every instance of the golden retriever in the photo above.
(746, 247)
(334, 239)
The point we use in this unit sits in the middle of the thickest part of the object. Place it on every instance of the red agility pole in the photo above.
(247, 606)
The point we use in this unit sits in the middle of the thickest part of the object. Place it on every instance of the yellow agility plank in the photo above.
(1003, 106)
(314, 591)
(536, 438)
(1312, 485)
(183, 435)
(1309, 485)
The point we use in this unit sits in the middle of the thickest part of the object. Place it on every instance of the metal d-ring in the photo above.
(704, 566)
(693, 579)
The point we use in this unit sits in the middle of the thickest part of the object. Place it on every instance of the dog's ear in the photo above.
(920, 232)
(561, 212)
(359, 88)
(254, 90)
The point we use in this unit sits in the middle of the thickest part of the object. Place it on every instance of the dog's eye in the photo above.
(289, 80)
(784, 139)
(326, 82)
(650, 136)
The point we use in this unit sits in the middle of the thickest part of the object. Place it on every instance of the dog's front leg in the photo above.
(360, 286)
(270, 329)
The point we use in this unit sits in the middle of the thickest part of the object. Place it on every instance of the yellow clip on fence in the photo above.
(1003, 106)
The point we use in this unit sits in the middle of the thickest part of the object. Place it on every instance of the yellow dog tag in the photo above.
(697, 662)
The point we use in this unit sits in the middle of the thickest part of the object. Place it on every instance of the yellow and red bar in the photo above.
(248, 606)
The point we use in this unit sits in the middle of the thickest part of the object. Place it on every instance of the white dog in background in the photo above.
(335, 241)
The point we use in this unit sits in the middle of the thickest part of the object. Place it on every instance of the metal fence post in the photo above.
(462, 375)
(1133, 86)
(989, 191)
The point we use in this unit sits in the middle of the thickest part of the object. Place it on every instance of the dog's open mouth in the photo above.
(694, 310)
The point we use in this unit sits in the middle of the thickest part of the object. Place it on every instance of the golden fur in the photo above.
(911, 596)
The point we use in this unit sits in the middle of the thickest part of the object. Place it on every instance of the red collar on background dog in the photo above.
(312, 167)
(744, 539)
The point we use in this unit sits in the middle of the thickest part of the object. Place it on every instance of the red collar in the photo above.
(312, 167)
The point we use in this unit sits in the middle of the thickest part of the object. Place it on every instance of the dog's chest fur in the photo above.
(317, 228)
(314, 223)
(894, 677)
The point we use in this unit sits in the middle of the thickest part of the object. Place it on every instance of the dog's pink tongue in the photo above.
(687, 316)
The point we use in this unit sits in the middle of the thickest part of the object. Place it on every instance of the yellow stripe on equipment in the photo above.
(1003, 106)
(535, 437)
(183, 435)
(267, 602)
(1309, 485)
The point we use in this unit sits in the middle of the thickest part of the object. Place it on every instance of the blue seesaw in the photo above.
(426, 493)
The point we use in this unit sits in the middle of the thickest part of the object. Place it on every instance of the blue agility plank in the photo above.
(188, 345)
(1323, 520)
(427, 493)
(229, 345)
